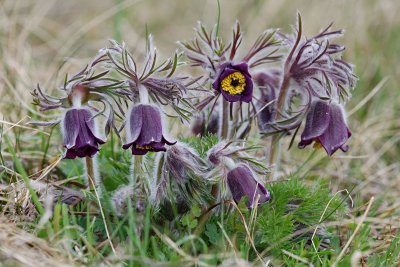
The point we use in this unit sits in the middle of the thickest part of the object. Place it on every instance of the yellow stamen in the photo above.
(234, 83)
(317, 145)
(148, 147)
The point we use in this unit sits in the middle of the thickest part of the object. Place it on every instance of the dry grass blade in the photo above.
(19, 248)
(360, 223)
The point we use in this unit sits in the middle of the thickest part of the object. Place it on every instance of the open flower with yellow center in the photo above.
(234, 82)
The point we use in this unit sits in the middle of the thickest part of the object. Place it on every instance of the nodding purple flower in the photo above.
(241, 182)
(144, 130)
(326, 126)
(234, 82)
(79, 134)
(204, 124)
(268, 84)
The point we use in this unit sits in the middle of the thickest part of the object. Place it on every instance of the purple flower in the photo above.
(234, 82)
(204, 124)
(79, 134)
(268, 83)
(241, 182)
(326, 125)
(144, 130)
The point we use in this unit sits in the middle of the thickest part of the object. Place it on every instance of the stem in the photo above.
(223, 134)
(92, 175)
(215, 188)
(143, 94)
(275, 143)
(90, 172)
(225, 119)
(138, 179)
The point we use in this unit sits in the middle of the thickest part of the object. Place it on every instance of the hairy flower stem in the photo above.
(92, 175)
(225, 119)
(215, 188)
(224, 135)
(143, 94)
(275, 142)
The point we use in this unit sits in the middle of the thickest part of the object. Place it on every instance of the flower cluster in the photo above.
(279, 83)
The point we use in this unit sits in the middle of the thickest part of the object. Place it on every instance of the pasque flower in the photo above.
(204, 124)
(234, 82)
(80, 138)
(242, 183)
(144, 130)
(226, 68)
(326, 125)
(268, 83)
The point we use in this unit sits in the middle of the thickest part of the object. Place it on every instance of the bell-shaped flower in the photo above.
(144, 130)
(80, 138)
(326, 126)
(234, 82)
(242, 183)
(204, 124)
(268, 83)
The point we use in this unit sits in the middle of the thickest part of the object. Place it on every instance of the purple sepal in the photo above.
(79, 134)
(268, 83)
(144, 130)
(241, 183)
(326, 125)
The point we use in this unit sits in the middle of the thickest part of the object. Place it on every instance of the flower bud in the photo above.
(241, 183)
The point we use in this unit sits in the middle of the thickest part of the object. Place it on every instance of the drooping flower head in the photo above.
(80, 138)
(242, 183)
(237, 169)
(81, 93)
(268, 84)
(314, 70)
(152, 86)
(326, 126)
(234, 82)
(204, 123)
(144, 130)
(152, 81)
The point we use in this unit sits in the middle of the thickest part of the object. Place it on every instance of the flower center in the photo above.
(317, 145)
(146, 147)
(234, 83)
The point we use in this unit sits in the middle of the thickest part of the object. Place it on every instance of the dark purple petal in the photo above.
(70, 127)
(204, 123)
(326, 125)
(146, 133)
(91, 128)
(316, 123)
(151, 126)
(230, 98)
(242, 183)
(242, 67)
(268, 84)
(70, 154)
(337, 132)
(134, 127)
(153, 147)
(137, 151)
(248, 92)
(79, 138)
